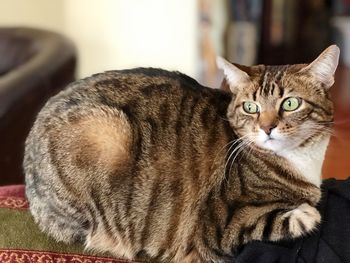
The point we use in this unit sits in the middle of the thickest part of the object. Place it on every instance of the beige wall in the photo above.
(32, 13)
(115, 34)
(118, 34)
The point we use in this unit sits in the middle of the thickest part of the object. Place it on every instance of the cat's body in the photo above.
(146, 161)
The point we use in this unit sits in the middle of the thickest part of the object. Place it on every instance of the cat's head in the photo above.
(279, 108)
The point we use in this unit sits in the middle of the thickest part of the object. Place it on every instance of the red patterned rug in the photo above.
(13, 197)
(22, 242)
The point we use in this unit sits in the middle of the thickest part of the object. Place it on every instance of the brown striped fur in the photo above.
(146, 162)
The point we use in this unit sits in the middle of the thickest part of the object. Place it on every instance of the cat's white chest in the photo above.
(308, 160)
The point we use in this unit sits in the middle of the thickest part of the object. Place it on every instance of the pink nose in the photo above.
(268, 128)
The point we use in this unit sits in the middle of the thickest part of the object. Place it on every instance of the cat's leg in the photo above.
(101, 241)
(294, 223)
(269, 224)
(282, 223)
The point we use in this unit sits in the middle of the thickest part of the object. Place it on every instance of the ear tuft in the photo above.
(324, 67)
(233, 74)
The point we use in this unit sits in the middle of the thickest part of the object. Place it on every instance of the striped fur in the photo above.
(146, 162)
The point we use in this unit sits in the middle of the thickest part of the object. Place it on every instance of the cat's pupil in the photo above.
(289, 103)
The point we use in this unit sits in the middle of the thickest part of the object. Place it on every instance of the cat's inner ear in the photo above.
(234, 76)
(323, 67)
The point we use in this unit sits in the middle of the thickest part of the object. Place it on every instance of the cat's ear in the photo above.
(323, 67)
(234, 76)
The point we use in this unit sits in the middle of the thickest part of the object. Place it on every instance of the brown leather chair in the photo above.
(34, 65)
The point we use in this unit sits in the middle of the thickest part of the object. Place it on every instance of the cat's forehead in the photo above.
(268, 84)
(271, 81)
(273, 74)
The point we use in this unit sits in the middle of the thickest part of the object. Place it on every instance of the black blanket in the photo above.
(330, 244)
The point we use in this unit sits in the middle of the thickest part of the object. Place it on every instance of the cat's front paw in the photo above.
(302, 220)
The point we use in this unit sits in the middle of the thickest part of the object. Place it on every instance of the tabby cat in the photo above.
(149, 162)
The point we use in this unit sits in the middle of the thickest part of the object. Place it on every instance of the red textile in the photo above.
(12, 190)
(13, 196)
(24, 256)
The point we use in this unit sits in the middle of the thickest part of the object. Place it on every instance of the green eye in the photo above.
(250, 107)
(291, 104)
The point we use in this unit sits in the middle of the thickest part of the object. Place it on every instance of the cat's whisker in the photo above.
(324, 130)
(222, 148)
(231, 154)
(325, 122)
(234, 142)
(228, 159)
(340, 122)
(313, 128)
(239, 149)
(247, 146)
(236, 150)
(224, 118)
(251, 148)
(243, 148)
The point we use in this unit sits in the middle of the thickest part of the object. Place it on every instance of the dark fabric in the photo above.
(330, 244)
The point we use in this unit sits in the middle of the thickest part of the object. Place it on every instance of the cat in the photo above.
(149, 162)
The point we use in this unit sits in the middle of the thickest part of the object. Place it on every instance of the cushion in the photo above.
(22, 241)
(14, 51)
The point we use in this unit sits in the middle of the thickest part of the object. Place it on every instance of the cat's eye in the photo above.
(250, 107)
(291, 104)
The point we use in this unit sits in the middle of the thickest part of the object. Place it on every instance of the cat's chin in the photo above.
(268, 143)
(273, 145)
(275, 142)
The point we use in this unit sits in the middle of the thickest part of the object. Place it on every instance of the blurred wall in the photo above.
(116, 34)
(33, 13)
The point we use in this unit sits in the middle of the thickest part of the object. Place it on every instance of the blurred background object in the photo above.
(212, 25)
(294, 31)
(187, 35)
(34, 65)
(112, 34)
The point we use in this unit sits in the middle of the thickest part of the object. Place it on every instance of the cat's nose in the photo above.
(268, 128)
(268, 121)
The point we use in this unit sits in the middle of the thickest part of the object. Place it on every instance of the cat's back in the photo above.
(137, 97)
(120, 111)
(134, 98)
(132, 86)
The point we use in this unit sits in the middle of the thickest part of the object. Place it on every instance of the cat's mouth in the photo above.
(269, 139)
(271, 143)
